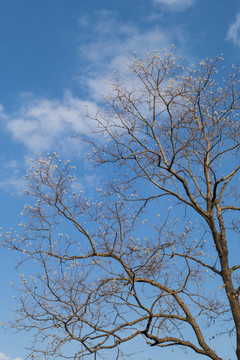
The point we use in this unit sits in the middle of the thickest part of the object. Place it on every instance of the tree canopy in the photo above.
(153, 253)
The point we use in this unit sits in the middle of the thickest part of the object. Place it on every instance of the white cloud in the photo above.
(123, 38)
(4, 357)
(45, 124)
(233, 33)
(49, 124)
(11, 176)
(2, 113)
(175, 5)
(112, 44)
(15, 184)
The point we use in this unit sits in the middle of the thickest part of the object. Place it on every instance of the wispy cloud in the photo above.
(48, 124)
(5, 357)
(233, 33)
(11, 172)
(175, 5)
(110, 44)
(15, 185)
(113, 40)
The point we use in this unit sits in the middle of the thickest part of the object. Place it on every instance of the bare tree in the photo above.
(126, 264)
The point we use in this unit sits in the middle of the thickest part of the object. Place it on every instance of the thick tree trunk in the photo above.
(226, 273)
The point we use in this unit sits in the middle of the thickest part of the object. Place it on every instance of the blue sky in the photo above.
(54, 57)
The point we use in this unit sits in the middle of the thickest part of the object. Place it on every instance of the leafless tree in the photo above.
(153, 255)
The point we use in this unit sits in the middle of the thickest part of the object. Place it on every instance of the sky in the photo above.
(54, 58)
